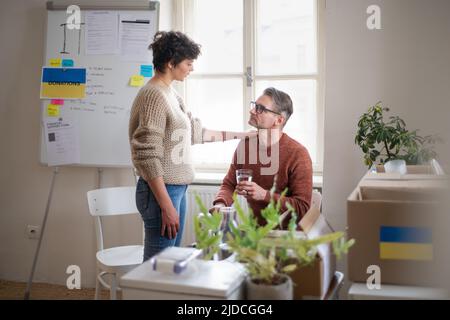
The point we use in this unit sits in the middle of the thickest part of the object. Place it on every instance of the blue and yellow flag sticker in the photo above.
(63, 83)
(406, 243)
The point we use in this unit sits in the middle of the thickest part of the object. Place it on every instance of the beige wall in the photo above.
(24, 188)
(406, 65)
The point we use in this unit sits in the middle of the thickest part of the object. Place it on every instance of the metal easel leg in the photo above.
(44, 222)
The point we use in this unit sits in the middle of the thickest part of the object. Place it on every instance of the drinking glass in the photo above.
(228, 215)
(244, 175)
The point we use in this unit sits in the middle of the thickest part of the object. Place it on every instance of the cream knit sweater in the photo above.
(161, 132)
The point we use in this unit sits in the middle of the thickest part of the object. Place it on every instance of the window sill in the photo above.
(216, 178)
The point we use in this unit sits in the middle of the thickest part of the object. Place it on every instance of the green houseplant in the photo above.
(268, 260)
(207, 231)
(383, 140)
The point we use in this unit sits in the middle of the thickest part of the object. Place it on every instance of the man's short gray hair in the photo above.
(281, 101)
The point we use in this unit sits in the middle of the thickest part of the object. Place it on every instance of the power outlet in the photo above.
(33, 232)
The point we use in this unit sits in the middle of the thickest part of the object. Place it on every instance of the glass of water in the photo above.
(228, 216)
(244, 175)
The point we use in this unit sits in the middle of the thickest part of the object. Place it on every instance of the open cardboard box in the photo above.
(406, 206)
(313, 281)
(420, 183)
(413, 172)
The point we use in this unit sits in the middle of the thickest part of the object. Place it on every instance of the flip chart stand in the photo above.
(44, 222)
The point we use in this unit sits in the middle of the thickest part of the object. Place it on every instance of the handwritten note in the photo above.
(67, 63)
(146, 70)
(55, 62)
(136, 80)
(62, 83)
(52, 110)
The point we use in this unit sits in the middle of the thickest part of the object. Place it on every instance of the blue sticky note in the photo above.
(146, 70)
(67, 63)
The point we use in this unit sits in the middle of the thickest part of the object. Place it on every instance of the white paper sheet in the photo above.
(135, 35)
(101, 35)
(61, 139)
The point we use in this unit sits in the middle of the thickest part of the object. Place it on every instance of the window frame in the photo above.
(182, 22)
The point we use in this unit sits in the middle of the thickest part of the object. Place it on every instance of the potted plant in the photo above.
(269, 260)
(207, 231)
(384, 140)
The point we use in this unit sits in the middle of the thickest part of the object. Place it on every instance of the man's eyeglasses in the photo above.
(259, 108)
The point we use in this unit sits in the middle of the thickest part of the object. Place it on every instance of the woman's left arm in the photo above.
(213, 135)
(202, 135)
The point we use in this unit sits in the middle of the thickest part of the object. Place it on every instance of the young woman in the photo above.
(161, 132)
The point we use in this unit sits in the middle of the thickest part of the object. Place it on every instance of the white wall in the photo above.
(69, 236)
(406, 65)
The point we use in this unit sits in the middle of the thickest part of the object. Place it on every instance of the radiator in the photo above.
(207, 193)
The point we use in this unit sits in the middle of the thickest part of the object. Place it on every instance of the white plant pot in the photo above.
(395, 166)
(283, 291)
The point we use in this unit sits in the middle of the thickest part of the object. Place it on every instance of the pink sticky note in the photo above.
(57, 101)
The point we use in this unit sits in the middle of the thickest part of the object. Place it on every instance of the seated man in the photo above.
(273, 157)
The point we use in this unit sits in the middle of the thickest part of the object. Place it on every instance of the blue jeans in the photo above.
(150, 211)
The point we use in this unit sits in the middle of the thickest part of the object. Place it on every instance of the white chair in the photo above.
(115, 261)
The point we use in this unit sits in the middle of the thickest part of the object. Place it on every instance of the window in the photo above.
(247, 46)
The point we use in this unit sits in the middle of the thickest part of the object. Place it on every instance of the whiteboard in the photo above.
(102, 116)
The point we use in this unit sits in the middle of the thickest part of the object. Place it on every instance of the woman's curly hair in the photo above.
(174, 47)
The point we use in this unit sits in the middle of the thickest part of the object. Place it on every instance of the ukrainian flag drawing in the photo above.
(63, 83)
(406, 243)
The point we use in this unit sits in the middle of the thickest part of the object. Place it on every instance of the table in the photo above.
(359, 291)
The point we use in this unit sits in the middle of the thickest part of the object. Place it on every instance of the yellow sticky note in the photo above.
(53, 110)
(55, 62)
(137, 80)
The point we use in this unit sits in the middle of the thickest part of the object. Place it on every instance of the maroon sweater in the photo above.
(292, 166)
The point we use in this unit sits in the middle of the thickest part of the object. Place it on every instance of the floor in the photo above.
(10, 290)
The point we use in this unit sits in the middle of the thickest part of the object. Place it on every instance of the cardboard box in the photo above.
(419, 172)
(313, 281)
(310, 282)
(394, 222)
